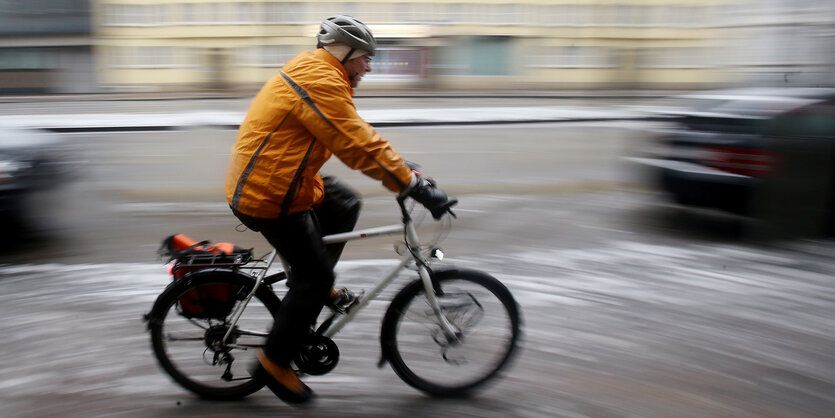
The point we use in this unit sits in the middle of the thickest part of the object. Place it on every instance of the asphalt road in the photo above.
(632, 307)
(133, 189)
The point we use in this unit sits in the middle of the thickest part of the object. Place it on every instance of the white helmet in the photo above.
(349, 31)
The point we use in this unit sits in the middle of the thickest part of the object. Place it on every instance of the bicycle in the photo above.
(458, 318)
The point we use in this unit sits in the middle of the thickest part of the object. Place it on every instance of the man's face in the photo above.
(357, 68)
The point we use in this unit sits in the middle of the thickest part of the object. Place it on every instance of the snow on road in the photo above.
(681, 319)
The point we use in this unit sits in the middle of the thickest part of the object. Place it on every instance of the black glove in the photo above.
(430, 196)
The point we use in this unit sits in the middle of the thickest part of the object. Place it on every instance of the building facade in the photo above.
(182, 45)
(45, 47)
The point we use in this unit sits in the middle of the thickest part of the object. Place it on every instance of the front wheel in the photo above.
(483, 312)
(189, 321)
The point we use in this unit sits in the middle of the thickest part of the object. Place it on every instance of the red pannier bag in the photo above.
(186, 256)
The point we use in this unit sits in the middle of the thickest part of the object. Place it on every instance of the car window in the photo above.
(812, 121)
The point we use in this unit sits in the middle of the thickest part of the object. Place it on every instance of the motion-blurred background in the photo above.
(89, 46)
(619, 166)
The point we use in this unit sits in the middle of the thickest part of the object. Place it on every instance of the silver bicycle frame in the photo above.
(412, 242)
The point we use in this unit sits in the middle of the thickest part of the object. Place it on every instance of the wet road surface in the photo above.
(622, 325)
(631, 307)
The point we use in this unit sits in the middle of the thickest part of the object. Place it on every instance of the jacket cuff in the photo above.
(411, 185)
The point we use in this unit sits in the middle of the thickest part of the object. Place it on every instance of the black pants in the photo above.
(298, 239)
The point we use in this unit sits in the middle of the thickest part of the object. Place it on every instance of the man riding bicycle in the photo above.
(300, 117)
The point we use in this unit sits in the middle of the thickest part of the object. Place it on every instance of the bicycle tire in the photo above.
(180, 343)
(463, 293)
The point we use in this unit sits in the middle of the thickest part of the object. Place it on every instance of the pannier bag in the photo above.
(186, 255)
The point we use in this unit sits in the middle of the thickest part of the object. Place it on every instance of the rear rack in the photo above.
(234, 261)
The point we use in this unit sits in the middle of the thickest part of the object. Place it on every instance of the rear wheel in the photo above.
(191, 349)
(483, 312)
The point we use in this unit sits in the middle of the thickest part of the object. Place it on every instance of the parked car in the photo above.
(747, 151)
(30, 161)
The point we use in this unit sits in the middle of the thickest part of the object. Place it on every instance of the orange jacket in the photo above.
(298, 119)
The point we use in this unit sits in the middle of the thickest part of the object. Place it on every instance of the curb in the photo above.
(516, 94)
(103, 129)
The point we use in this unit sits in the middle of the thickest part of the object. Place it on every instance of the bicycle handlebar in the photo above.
(437, 212)
(438, 204)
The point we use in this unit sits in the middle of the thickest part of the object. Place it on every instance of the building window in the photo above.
(286, 13)
(397, 64)
(136, 15)
(27, 59)
(246, 13)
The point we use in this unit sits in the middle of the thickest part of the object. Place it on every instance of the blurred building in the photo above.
(45, 47)
(778, 42)
(159, 45)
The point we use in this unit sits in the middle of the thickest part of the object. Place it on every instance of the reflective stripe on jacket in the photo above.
(301, 116)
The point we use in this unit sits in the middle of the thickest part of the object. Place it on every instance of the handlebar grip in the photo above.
(441, 210)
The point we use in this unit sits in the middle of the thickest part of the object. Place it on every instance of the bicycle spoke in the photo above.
(199, 324)
(426, 359)
(464, 313)
(202, 354)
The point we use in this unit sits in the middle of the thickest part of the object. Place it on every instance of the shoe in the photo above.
(281, 380)
(342, 300)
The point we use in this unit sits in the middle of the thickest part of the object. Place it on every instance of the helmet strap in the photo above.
(348, 55)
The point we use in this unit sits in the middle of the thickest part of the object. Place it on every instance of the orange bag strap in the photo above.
(222, 248)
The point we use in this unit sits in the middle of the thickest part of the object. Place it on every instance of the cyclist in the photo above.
(299, 118)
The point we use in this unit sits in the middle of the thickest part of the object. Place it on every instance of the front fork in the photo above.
(451, 332)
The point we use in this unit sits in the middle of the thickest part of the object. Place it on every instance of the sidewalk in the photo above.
(361, 93)
(96, 115)
(104, 122)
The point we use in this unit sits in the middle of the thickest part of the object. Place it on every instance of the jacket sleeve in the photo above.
(330, 115)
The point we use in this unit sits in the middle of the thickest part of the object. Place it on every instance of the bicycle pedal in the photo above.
(346, 300)
(355, 301)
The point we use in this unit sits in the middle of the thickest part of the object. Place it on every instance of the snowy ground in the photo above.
(627, 329)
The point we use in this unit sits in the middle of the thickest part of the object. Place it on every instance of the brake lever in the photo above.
(446, 208)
